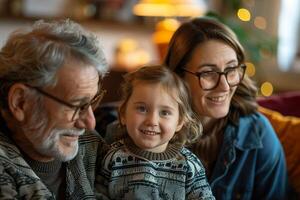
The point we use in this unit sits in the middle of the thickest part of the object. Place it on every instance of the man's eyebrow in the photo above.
(81, 100)
(85, 99)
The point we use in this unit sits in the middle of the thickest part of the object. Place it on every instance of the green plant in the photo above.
(256, 42)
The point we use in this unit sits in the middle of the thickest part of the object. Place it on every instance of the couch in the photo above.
(283, 111)
(286, 103)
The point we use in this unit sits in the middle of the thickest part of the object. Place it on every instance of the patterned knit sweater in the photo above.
(130, 173)
(19, 181)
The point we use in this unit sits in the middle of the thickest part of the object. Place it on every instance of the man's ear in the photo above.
(17, 100)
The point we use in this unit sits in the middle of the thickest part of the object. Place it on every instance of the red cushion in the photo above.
(287, 103)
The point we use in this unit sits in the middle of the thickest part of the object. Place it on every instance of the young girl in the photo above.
(150, 162)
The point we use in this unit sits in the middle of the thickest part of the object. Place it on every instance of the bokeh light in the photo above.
(244, 14)
(260, 22)
(250, 70)
(266, 89)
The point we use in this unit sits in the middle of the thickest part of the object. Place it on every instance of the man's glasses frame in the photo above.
(225, 73)
(77, 108)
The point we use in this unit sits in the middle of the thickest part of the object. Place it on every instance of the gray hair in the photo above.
(34, 56)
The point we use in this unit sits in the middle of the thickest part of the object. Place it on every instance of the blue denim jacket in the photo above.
(251, 163)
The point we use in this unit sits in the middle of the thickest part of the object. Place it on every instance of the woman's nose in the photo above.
(223, 83)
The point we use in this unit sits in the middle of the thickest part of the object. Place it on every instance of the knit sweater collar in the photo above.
(44, 167)
(171, 152)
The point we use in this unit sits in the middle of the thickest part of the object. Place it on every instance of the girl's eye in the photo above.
(141, 109)
(165, 113)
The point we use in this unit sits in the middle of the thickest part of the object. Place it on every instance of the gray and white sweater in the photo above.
(130, 173)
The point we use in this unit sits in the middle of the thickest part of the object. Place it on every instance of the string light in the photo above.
(250, 70)
(266, 89)
(244, 14)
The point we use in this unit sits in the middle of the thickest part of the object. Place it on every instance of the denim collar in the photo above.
(245, 136)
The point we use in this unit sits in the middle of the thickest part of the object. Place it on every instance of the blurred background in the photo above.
(136, 32)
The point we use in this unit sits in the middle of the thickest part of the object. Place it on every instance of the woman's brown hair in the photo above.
(197, 31)
(180, 51)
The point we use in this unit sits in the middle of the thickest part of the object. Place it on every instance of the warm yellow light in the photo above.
(169, 8)
(165, 30)
(250, 70)
(260, 22)
(162, 37)
(129, 55)
(127, 45)
(244, 14)
(153, 10)
(189, 11)
(168, 25)
(266, 89)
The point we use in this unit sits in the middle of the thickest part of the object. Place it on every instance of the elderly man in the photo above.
(50, 83)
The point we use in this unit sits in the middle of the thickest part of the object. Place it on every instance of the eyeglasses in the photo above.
(78, 109)
(209, 80)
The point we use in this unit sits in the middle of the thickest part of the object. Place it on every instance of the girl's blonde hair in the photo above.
(158, 74)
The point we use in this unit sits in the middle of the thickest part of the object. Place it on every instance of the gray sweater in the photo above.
(19, 181)
(130, 173)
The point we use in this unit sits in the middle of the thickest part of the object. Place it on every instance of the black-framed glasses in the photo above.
(80, 109)
(209, 80)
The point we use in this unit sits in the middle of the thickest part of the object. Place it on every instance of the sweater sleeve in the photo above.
(102, 178)
(14, 184)
(101, 185)
(7, 187)
(197, 186)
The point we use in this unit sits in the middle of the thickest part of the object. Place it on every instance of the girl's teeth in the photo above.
(149, 132)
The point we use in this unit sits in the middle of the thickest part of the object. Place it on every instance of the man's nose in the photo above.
(86, 120)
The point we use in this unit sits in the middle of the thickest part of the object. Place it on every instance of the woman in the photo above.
(240, 150)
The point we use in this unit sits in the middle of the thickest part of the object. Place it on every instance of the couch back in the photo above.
(287, 103)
